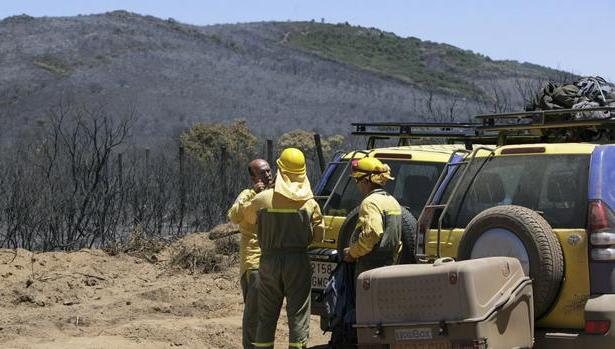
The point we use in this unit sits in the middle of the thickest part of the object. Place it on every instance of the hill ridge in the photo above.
(269, 73)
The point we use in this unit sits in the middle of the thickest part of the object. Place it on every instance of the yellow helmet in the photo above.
(366, 166)
(372, 169)
(291, 161)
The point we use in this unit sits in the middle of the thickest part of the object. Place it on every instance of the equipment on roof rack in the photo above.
(560, 125)
(556, 118)
(548, 126)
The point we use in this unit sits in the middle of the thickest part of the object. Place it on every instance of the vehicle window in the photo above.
(345, 198)
(328, 187)
(412, 185)
(555, 185)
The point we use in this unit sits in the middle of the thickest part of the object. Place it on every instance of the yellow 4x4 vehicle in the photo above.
(416, 169)
(551, 205)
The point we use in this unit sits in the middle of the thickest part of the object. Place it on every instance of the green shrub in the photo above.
(53, 65)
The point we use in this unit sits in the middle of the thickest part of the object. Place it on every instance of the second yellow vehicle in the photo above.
(416, 169)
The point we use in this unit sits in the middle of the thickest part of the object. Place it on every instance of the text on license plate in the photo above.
(406, 334)
(320, 273)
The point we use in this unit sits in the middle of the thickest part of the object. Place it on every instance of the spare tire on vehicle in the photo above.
(516, 231)
(346, 230)
(408, 237)
(408, 234)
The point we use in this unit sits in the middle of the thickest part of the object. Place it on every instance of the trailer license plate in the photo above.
(408, 334)
(320, 273)
(423, 345)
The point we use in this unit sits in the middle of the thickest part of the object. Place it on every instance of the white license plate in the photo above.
(409, 334)
(320, 273)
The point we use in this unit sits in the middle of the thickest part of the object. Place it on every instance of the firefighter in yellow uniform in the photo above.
(249, 252)
(288, 220)
(376, 240)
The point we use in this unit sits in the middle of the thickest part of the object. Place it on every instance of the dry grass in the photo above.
(197, 254)
(214, 251)
(198, 260)
(139, 245)
(223, 230)
(227, 246)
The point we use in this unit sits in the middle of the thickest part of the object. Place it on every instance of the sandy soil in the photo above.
(89, 299)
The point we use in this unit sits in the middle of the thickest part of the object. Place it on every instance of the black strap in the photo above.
(379, 191)
(283, 250)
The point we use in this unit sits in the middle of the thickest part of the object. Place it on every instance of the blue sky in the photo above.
(572, 35)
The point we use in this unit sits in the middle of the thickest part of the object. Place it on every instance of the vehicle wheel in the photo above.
(346, 230)
(516, 231)
(408, 237)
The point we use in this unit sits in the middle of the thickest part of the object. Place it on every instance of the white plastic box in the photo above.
(481, 303)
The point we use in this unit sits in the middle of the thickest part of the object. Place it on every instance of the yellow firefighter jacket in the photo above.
(370, 226)
(249, 251)
(272, 199)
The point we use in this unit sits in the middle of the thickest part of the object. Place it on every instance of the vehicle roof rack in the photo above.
(558, 125)
(546, 126)
(544, 119)
(467, 133)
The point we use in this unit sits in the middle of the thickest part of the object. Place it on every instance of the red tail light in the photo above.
(393, 156)
(601, 231)
(598, 216)
(599, 327)
(526, 150)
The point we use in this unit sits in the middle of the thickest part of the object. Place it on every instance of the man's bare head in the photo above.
(260, 172)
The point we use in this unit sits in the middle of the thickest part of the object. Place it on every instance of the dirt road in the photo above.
(89, 299)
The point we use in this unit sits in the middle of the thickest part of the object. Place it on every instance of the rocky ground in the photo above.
(176, 296)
